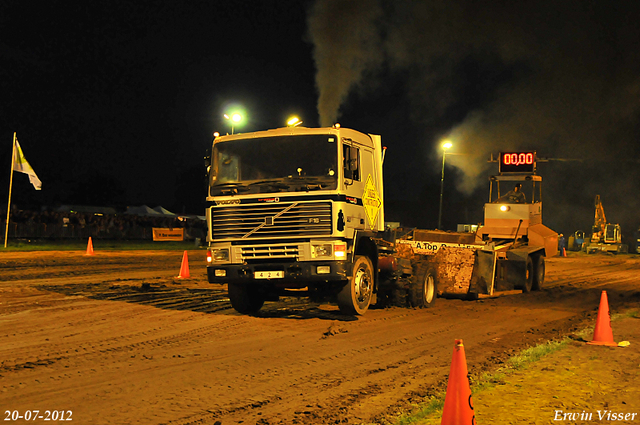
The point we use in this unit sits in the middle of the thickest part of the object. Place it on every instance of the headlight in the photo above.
(504, 208)
(324, 250)
(220, 254)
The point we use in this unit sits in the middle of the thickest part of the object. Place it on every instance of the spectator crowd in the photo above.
(55, 224)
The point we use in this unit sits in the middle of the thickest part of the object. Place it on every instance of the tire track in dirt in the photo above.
(87, 349)
(155, 357)
(390, 377)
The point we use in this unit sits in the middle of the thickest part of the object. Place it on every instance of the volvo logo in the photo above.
(228, 202)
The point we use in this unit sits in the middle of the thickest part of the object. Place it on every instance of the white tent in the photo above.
(159, 211)
(143, 210)
(163, 211)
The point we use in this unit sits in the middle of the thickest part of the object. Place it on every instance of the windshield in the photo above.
(274, 164)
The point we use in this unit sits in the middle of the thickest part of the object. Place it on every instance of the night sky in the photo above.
(115, 102)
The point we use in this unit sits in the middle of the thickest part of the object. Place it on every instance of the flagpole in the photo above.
(13, 154)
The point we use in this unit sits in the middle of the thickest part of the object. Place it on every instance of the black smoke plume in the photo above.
(560, 77)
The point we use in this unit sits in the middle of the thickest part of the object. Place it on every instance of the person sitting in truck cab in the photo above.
(514, 196)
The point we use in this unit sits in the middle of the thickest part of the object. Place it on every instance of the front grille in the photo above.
(274, 220)
(270, 251)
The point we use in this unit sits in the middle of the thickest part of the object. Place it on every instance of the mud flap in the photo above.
(511, 274)
(483, 278)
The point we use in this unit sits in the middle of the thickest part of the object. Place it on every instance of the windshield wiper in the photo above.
(312, 182)
(270, 185)
(309, 187)
(276, 183)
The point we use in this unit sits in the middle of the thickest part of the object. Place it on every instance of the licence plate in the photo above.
(277, 274)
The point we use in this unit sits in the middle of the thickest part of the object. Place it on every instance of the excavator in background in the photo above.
(605, 237)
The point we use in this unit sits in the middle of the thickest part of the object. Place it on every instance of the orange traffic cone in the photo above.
(184, 268)
(458, 406)
(89, 247)
(564, 252)
(603, 335)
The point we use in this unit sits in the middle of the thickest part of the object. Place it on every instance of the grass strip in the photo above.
(629, 313)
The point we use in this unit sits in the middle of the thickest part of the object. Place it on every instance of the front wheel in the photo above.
(424, 287)
(538, 272)
(356, 295)
(245, 299)
(528, 278)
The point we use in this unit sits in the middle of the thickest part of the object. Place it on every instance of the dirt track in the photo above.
(116, 338)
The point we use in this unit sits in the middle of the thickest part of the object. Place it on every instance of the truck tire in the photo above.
(538, 272)
(245, 299)
(424, 286)
(528, 277)
(355, 297)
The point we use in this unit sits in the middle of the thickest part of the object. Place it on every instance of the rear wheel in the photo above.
(245, 299)
(356, 295)
(528, 281)
(423, 286)
(538, 272)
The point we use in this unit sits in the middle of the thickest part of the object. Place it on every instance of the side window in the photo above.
(351, 164)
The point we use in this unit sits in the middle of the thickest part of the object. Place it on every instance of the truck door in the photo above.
(361, 183)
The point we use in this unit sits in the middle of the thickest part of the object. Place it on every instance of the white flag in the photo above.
(21, 165)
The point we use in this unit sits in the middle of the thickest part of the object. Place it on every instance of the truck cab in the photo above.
(294, 210)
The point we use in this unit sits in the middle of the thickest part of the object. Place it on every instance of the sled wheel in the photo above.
(528, 278)
(424, 287)
(538, 272)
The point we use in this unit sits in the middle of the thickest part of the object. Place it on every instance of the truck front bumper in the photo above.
(297, 274)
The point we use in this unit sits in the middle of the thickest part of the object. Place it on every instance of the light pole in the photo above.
(446, 145)
(234, 118)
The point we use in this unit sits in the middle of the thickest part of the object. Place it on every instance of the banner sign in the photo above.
(166, 234)
(430, 248)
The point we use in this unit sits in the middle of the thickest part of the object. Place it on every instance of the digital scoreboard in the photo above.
(518, 162)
